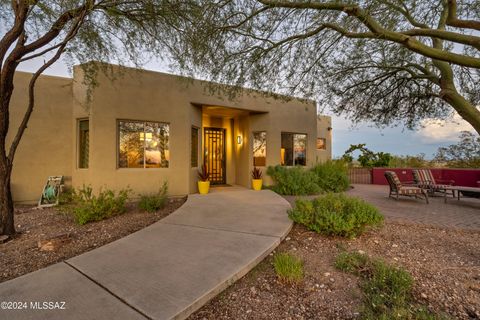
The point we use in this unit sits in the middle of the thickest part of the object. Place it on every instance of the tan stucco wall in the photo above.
(324, 130)
(46, 147)
(150, 96)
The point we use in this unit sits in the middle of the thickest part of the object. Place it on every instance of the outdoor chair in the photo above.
(399, 189)
(424, 179)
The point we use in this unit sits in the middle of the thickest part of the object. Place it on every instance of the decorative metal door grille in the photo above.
(214, 157)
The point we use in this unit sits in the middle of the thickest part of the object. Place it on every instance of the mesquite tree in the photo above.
(79, 31)
(386, 61)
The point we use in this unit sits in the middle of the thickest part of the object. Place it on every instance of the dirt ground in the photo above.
(22, 255)
(444, 263)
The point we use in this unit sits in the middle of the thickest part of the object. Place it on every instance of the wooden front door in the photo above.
(214, 154)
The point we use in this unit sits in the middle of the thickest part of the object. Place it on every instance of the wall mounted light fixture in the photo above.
(239, 139)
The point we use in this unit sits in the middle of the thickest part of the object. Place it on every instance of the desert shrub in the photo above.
(89, 207)
(289, 268)
(387, 289)
(332, 176)
(294, 181)
(154, 202)
(336, 214)
(66, 196)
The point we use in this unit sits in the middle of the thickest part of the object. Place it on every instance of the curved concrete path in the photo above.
(165, 271)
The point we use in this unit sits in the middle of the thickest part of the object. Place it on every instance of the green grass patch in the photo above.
(387, 289)
(289, 268)
(336, 214)
(154, 202)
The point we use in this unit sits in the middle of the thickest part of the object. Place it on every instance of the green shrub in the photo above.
(294, 181)
(154, 202)
(89, 207)
(332, 176)
(387, 289)
(352, 262)
(288, 268)
(336, 214)
(66, 196)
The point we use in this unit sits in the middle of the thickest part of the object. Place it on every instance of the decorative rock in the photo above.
(361, 251)
(424, 296)
(4, 238)
(54, 243)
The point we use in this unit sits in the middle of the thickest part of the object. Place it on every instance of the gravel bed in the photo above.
(22, 255)
(444, 263)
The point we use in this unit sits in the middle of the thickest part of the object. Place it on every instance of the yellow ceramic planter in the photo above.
(203, 187)
(257, 184)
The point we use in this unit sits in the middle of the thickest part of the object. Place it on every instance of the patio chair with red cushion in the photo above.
(425, 179)
(399, 189)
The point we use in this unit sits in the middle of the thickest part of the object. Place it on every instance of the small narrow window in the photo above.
(194, 147)
(259, 148)
(83, 143)
(321, 144)
(293, 149)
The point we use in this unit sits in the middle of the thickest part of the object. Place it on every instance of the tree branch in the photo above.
(378, 31)
(31, 87)
(453, 21)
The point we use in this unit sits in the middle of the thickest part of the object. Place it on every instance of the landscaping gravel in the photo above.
(35, 227)
(444, 263)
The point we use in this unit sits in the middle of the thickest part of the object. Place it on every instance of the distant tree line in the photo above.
(464, 154)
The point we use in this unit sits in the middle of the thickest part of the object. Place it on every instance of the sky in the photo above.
(398, 140)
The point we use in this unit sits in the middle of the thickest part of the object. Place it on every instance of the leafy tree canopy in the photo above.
(120, 31)
(386, 61)
(367, 158)
(464, 154)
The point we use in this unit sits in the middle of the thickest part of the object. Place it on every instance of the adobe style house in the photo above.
(147, 127)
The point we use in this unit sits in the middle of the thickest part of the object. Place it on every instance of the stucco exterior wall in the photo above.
(50, 146)
(324, 130)
(45, 149)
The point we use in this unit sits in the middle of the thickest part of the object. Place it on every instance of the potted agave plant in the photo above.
(256, 179)
(203, 182)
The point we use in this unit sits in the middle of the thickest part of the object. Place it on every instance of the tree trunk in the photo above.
(463, 107)
(7, 225)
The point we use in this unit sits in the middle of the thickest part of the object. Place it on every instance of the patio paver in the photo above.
(463, 214)
(169, 269)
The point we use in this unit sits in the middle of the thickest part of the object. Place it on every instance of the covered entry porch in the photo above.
(224, 144)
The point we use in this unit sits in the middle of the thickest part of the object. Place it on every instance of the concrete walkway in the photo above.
(165, 271)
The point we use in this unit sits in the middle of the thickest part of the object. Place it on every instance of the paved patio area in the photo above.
(165, 271)
(463, 214)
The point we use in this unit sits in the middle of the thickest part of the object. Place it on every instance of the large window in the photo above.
(83, 143)
(194, 147)
(143, 144)
(321, 144)
(294, 149)
(259, 148)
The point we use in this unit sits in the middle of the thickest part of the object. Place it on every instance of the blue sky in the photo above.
(397, 140)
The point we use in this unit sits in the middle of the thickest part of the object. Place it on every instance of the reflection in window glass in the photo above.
(321, 143)
(300, 149)
(259, 148)
(143, 144)
(83, 144)
(293, 149)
